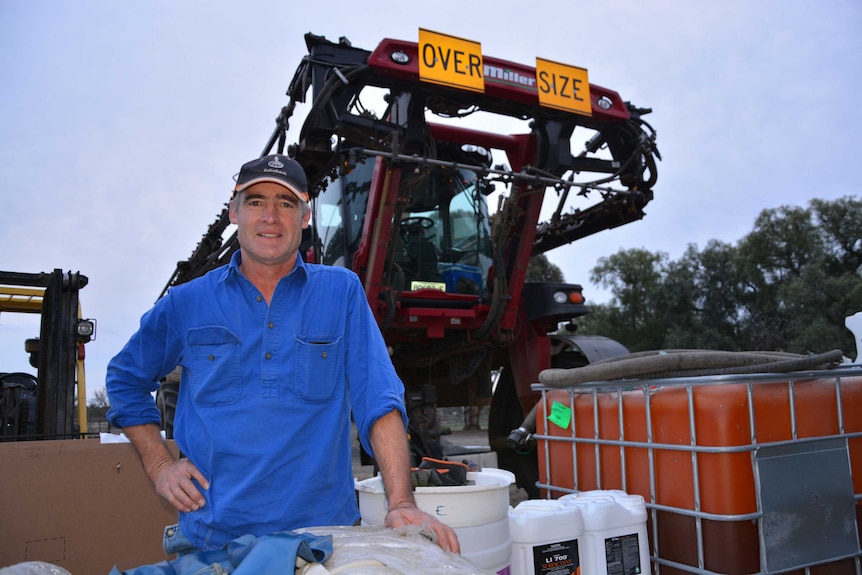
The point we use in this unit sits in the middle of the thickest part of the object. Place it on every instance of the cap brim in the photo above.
(299, 194)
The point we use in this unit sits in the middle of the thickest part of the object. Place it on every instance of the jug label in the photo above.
(622, 555)
(560, 558)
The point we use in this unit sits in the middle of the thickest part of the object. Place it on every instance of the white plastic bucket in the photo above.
(478, 513)
(615, 532)
(546, 537)
(488, 547)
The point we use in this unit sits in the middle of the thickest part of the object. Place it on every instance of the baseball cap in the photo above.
(277, 169)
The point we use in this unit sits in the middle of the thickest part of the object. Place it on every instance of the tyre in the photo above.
(166, 399)
(506, 415)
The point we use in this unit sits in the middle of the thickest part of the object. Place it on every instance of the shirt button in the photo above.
(323, 355)
(268, 355)
(259, 298)
(212, 357)
(270, 325)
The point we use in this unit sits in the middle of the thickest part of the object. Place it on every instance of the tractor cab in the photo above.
(441, 230)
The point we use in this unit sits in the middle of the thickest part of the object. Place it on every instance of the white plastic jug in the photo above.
(615, 533)
(546, 537)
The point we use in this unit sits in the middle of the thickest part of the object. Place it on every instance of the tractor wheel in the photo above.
(506, 415)
(166, 399)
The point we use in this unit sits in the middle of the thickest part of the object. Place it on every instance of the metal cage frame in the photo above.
(823, 461)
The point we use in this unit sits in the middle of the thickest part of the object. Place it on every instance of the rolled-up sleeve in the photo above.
(135, 372)
(375, 388)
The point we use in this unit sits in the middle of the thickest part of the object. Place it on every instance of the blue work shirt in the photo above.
(265, 398)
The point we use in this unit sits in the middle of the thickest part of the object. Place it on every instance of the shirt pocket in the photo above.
(319, 367)
(214, 365)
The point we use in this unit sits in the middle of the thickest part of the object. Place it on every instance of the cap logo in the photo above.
(275, 163)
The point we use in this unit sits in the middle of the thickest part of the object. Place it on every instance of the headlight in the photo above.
(562, 297)
(86, 329)
(399, 57)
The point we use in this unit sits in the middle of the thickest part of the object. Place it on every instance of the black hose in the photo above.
(521, 439)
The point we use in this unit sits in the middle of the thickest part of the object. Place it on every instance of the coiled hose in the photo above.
(688, 363)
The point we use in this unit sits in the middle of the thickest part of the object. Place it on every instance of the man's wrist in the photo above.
(403, 504)
(156, 468)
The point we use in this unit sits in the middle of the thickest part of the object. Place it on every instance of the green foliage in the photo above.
(540, 269)
(633, 276)
(787, 285)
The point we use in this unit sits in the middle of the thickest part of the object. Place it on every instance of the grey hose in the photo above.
(688, 363)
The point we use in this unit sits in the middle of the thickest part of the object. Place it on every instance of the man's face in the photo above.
(269, 220)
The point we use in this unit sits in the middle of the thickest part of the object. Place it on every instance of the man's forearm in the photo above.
(151, 448)
(173, 479)
(392, 454)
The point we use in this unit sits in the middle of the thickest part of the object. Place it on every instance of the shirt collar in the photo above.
(232, 269)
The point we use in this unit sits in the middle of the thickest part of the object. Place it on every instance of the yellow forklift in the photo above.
(42, 406)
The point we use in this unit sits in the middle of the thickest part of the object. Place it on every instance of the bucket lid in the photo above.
(478, 481)
(611, 504)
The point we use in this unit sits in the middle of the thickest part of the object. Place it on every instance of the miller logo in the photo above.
(275, 163)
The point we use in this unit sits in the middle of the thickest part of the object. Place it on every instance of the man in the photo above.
(275, 354)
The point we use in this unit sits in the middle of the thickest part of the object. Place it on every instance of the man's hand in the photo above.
(172, 478)
(409, 514)
(389, 442)
(173, 481)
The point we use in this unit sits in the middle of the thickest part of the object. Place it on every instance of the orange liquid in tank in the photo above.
(726, 481)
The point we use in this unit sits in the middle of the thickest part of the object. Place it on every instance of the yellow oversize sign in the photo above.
(450, 61)
(563, 87)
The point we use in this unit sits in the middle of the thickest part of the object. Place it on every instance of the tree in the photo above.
(718, 282)
(841, 221)
(802, 272)
(540, 269)
(98, 407)
(787, 285)
(633, 276)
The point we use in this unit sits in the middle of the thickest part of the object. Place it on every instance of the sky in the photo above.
(122, 123)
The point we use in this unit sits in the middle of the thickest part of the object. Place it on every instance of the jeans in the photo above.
(175, 542)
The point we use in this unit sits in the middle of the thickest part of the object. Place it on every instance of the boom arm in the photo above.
(622, 150)
(403, 201)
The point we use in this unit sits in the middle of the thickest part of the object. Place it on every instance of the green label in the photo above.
(561, 415)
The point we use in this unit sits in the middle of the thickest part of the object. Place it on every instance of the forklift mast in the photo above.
(43, 406)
